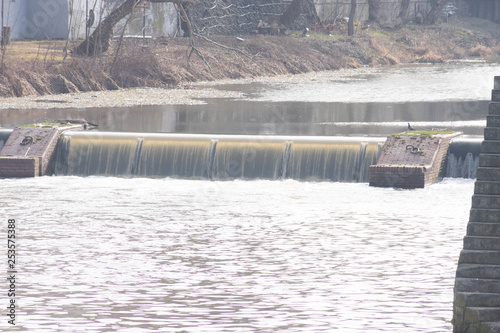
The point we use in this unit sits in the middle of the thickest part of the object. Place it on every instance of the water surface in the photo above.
(146, 255)
(363, 102)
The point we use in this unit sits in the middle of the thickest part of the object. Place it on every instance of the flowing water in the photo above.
(134, 254)
(146, 255)
(218, 157)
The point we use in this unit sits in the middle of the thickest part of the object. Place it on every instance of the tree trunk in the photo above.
(298, 7)
(310, 8)
(433, 15)
(98, 42)
(374, 10)
(352, 14)
(403, 12)
(292, 12)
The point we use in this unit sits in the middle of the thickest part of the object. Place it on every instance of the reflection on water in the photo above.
(347, 103)
(145, 255)
(273, 118)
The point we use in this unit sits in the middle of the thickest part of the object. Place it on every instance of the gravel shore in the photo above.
(116, 98)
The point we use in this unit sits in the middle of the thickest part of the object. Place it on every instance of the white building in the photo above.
(61, 19)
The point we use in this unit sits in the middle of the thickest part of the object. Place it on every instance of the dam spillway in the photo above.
(217, 157)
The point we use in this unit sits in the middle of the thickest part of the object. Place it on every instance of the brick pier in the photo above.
(411, 161)
(476, 307)
(30, 151)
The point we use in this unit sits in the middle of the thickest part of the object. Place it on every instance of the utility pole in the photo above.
(2, 41)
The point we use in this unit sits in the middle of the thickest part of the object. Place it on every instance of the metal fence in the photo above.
(333, 10)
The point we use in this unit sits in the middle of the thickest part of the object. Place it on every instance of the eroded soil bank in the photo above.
(163, 63)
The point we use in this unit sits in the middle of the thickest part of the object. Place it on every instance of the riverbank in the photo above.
(162, 64)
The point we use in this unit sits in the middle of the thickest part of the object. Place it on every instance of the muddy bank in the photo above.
(163, 64)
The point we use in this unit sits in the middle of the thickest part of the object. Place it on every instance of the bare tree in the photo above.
(298, 7)
(403, 11)
(99, 41)
(374, 10)
(436, 9)
(352, 14)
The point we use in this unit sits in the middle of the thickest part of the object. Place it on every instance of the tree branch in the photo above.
(191, 41)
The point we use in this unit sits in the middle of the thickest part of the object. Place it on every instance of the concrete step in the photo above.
(479, 257)
(495, 95)
(474, 285)
(496, 82)
(488, 173)
(487, 187)
(492, 121)
(489, 300)
(486, 201)
(490, 147)
(488, 327)
(489, 160)
(482, 314)
(483, 229)
(494, 108)
(479, 271)
(492, 133)
(482, 243)
(484, 215)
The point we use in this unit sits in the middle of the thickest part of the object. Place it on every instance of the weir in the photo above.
(193, 156)
(218, 157)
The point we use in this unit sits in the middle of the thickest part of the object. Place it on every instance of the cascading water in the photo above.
(219, 157)
(4, 135)
(343, 161)
(242, 159)
(463, 157)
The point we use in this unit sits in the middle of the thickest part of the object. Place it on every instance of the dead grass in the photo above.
(480, 51)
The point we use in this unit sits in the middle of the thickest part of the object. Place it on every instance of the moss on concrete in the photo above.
(422, 134)
(44, 124)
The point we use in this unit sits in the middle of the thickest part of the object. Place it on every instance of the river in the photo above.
(109, 254)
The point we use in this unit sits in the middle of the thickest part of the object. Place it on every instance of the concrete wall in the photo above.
(398, 166)
(36, 19)
(19, 167)
(42, 146)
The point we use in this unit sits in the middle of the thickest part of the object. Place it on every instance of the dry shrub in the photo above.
(60, 85)
(420, 51)
(479, 51)
(38, 82)
(82, 73)
(392, 60)
(430, 57)
(377, 46)
(138, 67)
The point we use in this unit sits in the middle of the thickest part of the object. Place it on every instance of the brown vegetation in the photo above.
(39, 71)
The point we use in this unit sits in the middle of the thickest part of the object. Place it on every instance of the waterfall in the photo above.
(176, 157)
(217, 157)
(341, 161)
(96, 154)
(463, 157)
(242, 159)
(4, 135)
